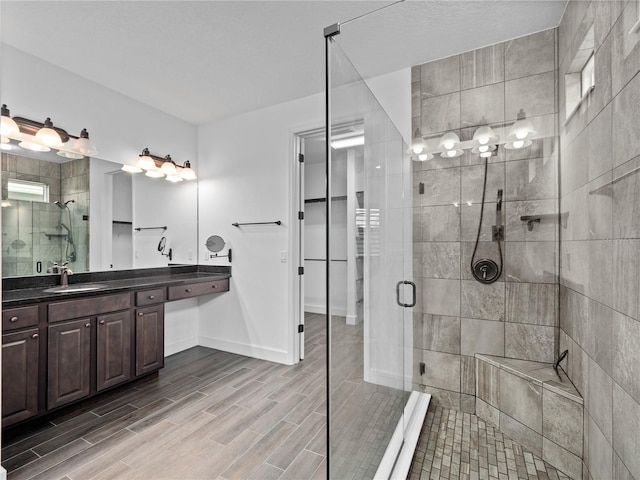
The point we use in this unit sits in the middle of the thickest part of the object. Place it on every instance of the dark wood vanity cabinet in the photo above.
(68, 362)
(20, 375)
(113, 349)
(149, 339)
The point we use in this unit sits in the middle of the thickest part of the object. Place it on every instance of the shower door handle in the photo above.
(413, 290)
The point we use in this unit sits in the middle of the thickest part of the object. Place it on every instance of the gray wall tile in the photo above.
(440, 223)
(561, 458)
(530, 55)
(626, 115)
(626, 425)
(441, 333)
(535, 95)
(487, 413)
(440, 260)
(440, 76)
(600, 453)
(534, 303)
(533, 262)
(441, 114)
(442, 370)
(487, 382)
(562, 422)
(483, 66)
(526, 437)
(521, 400)
(481, 336)
(483, 301)
(626, 354)
(483, 105)
(441, 297)
(529, 342)
(600, 398)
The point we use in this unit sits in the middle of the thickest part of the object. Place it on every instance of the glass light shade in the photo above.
(449, 141)
(417, 146)
(6, 146)
(146, 163)
(154, 173)
(4, 139)
(174, 178)
(451, 153)
(484, 135)
(34, 147)
(483, 149)
(68, 154)
(84, 146)
(131, 169)
(187, 172)
(517, 144)
(48, 136)
(5, 203)
(8, 127)
(520, 130)
(486, 154)
(423, 157)
(169, 168)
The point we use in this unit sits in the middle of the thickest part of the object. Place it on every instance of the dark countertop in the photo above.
(29, 292)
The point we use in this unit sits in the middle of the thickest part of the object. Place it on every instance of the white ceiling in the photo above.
(202, 61)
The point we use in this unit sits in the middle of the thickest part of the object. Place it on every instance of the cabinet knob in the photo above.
(151, 297)
(140, 314)
(101, 322)
(188, 290)
(13, 319)
(87, 325)
(35, 335)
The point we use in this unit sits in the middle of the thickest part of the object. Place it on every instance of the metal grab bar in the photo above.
(150, 228)
(277, 222)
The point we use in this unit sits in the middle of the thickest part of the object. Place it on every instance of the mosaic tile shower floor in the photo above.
(459, 446)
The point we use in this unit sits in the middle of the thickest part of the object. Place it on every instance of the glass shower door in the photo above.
(370, 355)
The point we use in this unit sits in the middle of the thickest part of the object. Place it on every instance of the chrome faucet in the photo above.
(65, 271)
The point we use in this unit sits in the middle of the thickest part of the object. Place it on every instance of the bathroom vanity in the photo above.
(58, 348)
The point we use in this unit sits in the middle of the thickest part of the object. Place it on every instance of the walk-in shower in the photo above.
(70, 248)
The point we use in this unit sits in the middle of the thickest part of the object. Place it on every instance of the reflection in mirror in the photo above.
(86, 212)
(45, 205)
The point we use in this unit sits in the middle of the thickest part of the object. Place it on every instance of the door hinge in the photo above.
(300, 328)
(301, 157)
(300, 270)
(300, 215)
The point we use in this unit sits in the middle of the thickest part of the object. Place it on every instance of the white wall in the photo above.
(245, 175)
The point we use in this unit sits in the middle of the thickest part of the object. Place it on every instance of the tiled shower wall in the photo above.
(600, 245)
(456, 316)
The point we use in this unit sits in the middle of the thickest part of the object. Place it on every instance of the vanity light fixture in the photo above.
(485, 135)
(42, 137)
(159, 167)
(522, 129)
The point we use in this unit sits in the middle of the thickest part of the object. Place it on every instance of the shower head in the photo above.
(61, 205)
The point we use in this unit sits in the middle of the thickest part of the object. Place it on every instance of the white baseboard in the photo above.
(3, 474)
(263, 353)
(353, 320)
(322, 309)
(386, 378)
(180, 346)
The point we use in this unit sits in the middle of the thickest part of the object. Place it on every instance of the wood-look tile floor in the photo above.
(206, 415)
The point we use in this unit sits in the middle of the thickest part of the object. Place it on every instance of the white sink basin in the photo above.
(86, 287)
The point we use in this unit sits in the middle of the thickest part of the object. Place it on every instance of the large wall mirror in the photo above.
(90, 213)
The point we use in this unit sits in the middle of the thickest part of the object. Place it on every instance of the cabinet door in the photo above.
(69, 362)
(149, 339)
(19, 376)
(113, 349)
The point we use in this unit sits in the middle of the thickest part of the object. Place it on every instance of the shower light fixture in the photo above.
(159, 167)
(42, 137)
(452, 153)
(449, 141)
(485, 135)
(522, 129)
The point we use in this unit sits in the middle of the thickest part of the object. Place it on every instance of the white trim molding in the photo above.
(263, 353)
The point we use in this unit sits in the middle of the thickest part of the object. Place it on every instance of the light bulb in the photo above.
(451, 153)
(483, 140)
(521, 134)
(418, 149)
(449, 141)
(518, 144)
(483, 148)
(154, 174)
(422, 157)
(448, 145)
(485, 154)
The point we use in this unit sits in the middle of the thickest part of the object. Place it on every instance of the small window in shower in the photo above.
(29, 191)
(580, 78)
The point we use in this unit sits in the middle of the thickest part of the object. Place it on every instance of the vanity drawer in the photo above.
(16, 318)
(88, 307)
(196, 289)
(150, 297)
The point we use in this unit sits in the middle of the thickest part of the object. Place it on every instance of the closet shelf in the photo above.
(338, 198)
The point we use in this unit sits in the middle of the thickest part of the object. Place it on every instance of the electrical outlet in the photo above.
(283, 256)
